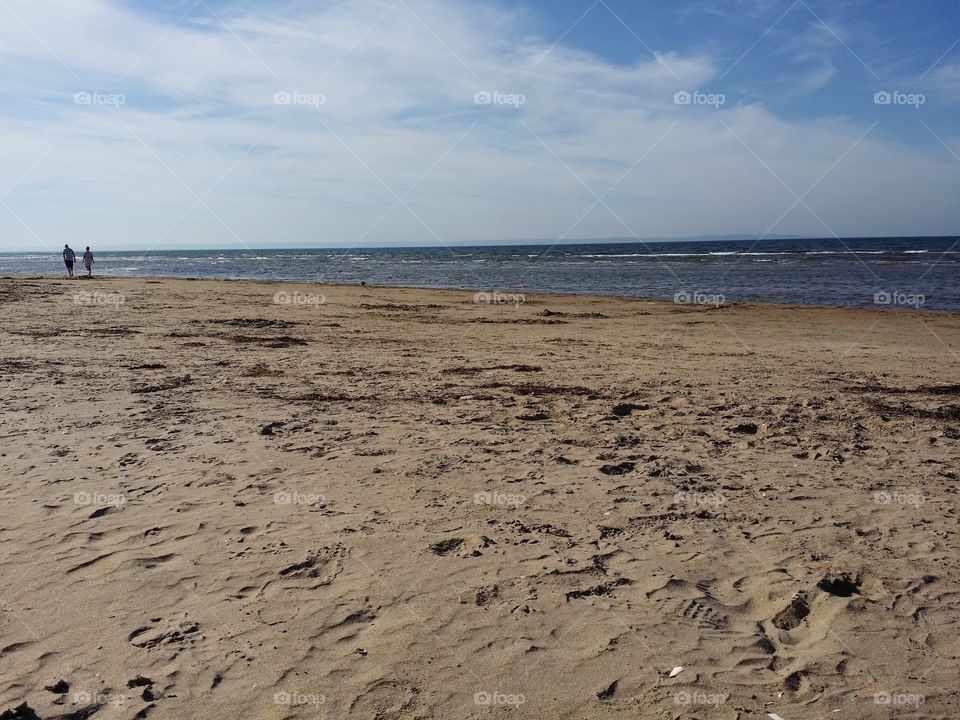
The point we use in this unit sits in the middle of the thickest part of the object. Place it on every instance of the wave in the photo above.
(737, 253)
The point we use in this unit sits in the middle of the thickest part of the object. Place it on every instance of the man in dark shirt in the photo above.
(68, 257)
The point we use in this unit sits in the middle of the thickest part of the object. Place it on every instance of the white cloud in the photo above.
(398, 82)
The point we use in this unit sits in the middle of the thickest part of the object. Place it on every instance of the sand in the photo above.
(386, 503)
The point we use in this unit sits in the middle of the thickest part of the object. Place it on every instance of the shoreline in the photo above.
(472, 291)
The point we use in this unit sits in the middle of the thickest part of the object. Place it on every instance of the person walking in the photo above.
(88, 262)
(68, 257)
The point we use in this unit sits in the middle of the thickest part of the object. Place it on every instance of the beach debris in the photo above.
(171, 384)
(774, 716)
(465, 547)
(271, 428)
(258, 323)
(534, 417)
(618, 469)
(61, 687)
(518, 367)
(484, 595)
(605, 589)
(676, 671)
(553, 313)
(624, 409)
(279, 341)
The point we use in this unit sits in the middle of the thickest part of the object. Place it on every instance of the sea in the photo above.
(914, 273)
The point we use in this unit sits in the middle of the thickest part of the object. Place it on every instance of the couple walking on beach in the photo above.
(69, 256)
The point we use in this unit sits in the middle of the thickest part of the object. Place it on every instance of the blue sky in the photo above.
(378, 122)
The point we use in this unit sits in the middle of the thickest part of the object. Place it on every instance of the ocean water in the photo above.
(860, 272)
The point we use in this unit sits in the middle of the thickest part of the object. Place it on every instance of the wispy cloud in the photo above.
(309, 122)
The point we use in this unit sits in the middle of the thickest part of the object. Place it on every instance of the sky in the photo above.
(135, 124)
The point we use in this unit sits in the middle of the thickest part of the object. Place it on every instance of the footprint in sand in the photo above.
(318, 568)
(468, 546)
(178, 633)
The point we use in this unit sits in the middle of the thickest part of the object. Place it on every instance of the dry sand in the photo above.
(403, 504)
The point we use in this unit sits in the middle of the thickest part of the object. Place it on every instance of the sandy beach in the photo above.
(264, 500)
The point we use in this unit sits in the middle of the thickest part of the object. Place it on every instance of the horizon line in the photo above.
(536, 242)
